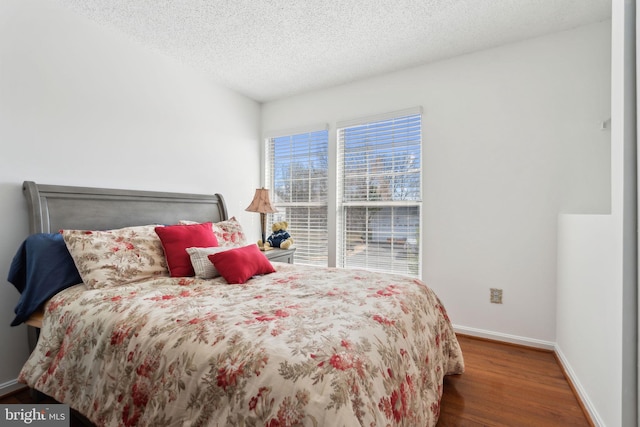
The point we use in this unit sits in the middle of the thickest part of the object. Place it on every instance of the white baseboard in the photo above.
(10, 387)
(497, 336)
(582, 394)
(546, 345)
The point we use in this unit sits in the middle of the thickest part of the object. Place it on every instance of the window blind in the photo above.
(380, 193)
(297, 174)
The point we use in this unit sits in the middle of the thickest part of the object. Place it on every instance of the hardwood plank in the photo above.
(503, 385)
(35, 319)
(509, 385)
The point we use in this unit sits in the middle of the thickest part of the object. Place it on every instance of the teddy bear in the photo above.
(280, 238)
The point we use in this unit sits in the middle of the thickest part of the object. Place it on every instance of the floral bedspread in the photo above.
(300, 347)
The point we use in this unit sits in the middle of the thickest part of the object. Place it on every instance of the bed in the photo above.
(290, 346)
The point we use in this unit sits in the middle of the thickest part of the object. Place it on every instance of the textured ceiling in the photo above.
(269, 49)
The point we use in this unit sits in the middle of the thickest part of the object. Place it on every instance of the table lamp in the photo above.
(261, 203)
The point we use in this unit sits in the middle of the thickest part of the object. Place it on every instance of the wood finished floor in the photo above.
(503, 385)
(509, 385)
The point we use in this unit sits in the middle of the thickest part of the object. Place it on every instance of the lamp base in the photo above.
(263, 226)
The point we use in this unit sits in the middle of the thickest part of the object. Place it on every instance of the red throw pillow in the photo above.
(240, 264)
(175, 241)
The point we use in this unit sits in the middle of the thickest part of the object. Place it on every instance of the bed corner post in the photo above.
(222, 206)
(32, 194)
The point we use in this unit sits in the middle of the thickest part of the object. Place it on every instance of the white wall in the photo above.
(511, 138)
(588, 335)
(83, 105)
(597, 257)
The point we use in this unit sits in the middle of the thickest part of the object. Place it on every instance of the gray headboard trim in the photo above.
(55, 207)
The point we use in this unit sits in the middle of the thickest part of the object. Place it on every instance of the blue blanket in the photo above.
(41, 268)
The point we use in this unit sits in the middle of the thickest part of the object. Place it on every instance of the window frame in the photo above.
(312, 252)
(399, 252)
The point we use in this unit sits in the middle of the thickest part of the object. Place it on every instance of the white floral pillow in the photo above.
(203, 267)
(116, 257)
(229, 233)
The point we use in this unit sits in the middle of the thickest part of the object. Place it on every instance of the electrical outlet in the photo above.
(496, 296)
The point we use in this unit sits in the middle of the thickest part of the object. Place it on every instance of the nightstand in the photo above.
(280, 255)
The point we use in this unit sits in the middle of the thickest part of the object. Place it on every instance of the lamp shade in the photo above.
(261, 202)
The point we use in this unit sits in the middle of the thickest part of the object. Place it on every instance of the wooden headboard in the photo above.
(56, 207)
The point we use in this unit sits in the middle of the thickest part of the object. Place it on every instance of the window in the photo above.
(380, 193)
(297, 174)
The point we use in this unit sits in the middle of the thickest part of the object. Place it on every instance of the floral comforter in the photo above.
(300, 347)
